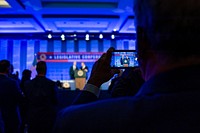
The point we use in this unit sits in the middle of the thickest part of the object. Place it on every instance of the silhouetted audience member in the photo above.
(41, 93)
(128, 84)
(1, 123)
(10, 99)
(168, 53)
(26, 76)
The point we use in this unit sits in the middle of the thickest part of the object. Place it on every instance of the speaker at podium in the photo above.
(80, 79)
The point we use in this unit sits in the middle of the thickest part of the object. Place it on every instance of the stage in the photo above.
(70, 84)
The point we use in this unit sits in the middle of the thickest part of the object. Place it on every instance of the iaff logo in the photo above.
(43, 57)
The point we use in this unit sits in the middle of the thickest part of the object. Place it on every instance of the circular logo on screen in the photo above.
(80, 73)
(66, 85)
(43, 57)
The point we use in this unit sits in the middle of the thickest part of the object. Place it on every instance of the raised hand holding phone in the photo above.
(101, 70)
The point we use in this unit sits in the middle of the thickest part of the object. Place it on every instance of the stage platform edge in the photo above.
(72, 84)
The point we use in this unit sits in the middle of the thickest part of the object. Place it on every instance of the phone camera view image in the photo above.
(124, 59)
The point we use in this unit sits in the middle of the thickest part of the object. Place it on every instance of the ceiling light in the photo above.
(87, 37)
(62, 37)
(113, 36)
(114, 29)
(100, 36)
(4, 4)
(49, 36)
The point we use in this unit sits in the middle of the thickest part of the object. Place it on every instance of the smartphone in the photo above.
(124, 59)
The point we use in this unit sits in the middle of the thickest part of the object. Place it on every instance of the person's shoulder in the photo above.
(50, 81)
(11, 80)
(106, 104)
(110, 109)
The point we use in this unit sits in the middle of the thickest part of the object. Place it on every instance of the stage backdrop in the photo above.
(23, 53)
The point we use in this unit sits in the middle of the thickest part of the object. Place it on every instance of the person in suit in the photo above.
(80, 81)
(168, 53)
(125, 60)
(26, 76)
(41, 94)
(1, 123)
(10, 99)
(84, 68)
(72, 70)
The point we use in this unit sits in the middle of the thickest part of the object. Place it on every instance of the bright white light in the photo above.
(113, 36)
(87, 36)
(49, 36)
(4, 4)
(74, 35)
(100, 36)
(62, 37)
(114, 30)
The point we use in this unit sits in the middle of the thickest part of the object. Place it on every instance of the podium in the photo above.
(80, 79)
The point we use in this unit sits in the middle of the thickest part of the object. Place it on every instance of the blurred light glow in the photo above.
(100, 36)
(87, 37)
(4, 4)
(113, 36)
(62, 37)
(49, 36)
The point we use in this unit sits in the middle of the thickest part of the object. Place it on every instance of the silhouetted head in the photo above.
(41, 68)
(26, 73)
(167, 34)
(5, 66)
(169, 26)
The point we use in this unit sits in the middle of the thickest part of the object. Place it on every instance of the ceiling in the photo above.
(57, 16)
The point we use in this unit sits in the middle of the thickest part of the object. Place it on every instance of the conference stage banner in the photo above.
(68, 56)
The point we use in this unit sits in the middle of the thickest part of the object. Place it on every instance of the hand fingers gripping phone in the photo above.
(124, 59)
